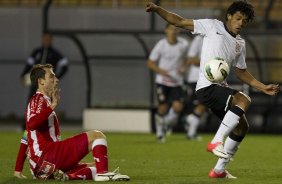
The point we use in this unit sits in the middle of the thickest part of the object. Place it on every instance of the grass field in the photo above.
(258, 161)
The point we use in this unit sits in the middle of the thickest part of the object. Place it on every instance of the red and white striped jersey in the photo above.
(42, 126)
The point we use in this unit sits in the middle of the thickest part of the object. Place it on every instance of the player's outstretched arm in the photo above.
(246, 77)
(170, 17)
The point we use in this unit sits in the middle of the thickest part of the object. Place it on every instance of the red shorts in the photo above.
(66, 154)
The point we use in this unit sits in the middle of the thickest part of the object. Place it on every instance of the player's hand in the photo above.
(164, 73)
(19, 175)
(272, 89)
(151, 7)
(55, 97)
(182, 70)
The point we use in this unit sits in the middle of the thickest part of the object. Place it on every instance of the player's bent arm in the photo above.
(247, 78)
(152, 66)
(36, 120)
(171, 18)
(193, 61)
(188, 62)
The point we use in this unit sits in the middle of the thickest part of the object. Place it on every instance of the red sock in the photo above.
(100, 155)
(83, 174)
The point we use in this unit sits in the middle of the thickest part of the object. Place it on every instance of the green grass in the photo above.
(177, 161)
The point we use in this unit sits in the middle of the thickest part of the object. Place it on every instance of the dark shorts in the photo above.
(167, 94)
(192, 99)
(217, 98)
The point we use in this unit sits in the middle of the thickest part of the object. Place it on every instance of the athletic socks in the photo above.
(159, 125)
(100, 155)
(87, 173)
(171, 117)
(231, 145)
(193, 121)
(229, 122)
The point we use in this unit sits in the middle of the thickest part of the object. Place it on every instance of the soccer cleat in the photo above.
(161, 139)
(60, 175)
(217, 149)
(224, 174)
(168, 131)
(111, 176)
(194, 138)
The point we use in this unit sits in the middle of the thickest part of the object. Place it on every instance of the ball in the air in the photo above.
(216, 70)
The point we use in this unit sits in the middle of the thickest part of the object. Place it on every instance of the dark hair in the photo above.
(242, 6)
(38, 72)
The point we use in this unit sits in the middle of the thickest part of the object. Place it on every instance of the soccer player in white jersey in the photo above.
(223, 40)
(192, 68)
(165, 60)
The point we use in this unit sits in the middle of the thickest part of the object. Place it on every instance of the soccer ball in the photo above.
(216, 70)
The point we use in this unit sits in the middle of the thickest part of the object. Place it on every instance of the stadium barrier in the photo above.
(117, 120)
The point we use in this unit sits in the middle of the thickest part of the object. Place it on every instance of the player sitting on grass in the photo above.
(223, 40)
(51, 158)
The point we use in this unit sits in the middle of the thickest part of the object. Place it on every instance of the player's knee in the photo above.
(200, 109)
(242, 100)
(177, 107)
(95, 134)
(162, 109)
(98, 134)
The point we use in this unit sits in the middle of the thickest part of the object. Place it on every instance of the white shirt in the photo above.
(218, 43)
(170, 57)
(194, 52)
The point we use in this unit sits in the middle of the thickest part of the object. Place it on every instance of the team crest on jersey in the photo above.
(238, 48)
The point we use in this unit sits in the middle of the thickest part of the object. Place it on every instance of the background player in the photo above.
(43, 54)
(223, 40)
(165, 60)
(192, 68)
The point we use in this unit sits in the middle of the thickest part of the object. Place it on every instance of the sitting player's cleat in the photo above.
(224, 174)
(217, 149)
(60, 175)
(111, 176)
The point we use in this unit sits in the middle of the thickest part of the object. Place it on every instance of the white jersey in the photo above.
(218, 42)
(194, 52)
(170, 58)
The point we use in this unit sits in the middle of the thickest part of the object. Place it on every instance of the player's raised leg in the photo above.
(231, 119)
